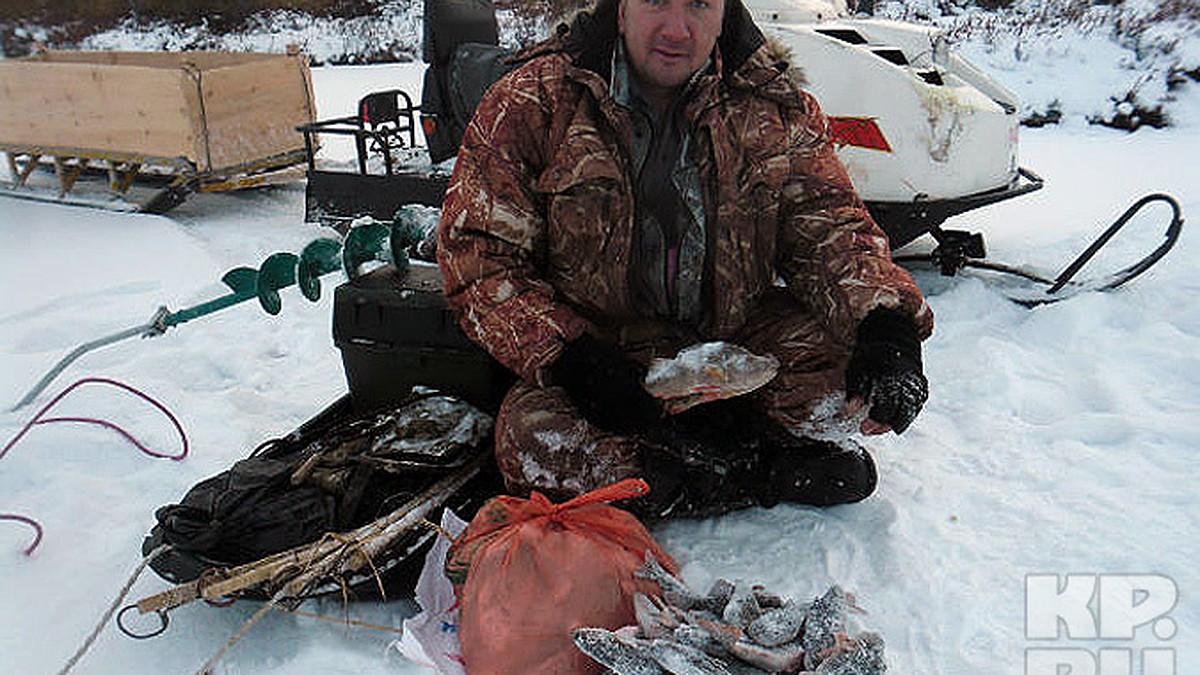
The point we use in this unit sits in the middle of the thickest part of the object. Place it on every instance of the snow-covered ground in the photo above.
(1057, 440)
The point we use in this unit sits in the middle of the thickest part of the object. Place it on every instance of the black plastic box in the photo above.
(395, 331)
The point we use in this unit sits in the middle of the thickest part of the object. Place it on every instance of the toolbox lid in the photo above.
(392, 309)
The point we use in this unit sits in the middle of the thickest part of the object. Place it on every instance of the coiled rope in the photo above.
(39, 418)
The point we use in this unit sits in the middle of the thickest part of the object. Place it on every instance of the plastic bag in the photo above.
(527, 572)
(431, 637)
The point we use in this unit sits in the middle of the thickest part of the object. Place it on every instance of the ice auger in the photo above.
(367, 240)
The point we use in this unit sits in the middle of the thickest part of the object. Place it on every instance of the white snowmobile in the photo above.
(923, 133)
(925, 136)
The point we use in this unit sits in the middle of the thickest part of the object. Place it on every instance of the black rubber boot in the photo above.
(679, 489)
(728, 455)
(820, 473)
(784, 467)
(697, 471)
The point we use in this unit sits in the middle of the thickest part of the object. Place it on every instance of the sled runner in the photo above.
(958, 250)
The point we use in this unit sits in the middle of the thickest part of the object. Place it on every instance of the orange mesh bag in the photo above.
(527, 572)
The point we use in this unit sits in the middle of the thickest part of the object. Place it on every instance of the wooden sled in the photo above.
(140, 131)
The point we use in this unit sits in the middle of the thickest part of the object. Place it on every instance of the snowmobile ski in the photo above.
(958, 251)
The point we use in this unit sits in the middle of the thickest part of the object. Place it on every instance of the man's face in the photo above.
(668, 40)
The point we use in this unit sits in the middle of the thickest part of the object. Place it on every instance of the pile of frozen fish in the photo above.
(734, 629)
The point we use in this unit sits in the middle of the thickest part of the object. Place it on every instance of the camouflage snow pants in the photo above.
(543, 443)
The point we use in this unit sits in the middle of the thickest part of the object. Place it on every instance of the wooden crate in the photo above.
(222, 113)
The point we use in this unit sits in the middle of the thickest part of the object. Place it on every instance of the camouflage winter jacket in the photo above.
(537, 225)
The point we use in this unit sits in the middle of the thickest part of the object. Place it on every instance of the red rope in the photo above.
(37, 538)
(38, 419)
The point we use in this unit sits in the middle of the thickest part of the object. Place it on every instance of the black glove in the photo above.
(606, 385)
(885, 369)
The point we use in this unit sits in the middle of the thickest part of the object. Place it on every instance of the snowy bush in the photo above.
(1124, 61)
(391, 34)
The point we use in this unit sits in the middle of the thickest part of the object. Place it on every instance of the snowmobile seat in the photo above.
(450, 23)
(461, 49)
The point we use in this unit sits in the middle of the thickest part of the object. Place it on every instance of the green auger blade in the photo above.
(318, 258)
(406, 227)
(243, 281)
(364, 243)
(277, 271)
(406, 232)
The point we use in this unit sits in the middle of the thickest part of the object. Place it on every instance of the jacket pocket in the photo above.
(583, 190)
(759, 202)
(587, 222)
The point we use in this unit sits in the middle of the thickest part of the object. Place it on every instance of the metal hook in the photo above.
(162, 615)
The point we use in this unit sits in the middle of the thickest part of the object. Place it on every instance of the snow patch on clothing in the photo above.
(830, 422)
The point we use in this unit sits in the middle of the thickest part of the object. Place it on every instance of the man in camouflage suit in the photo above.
(647, 179)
